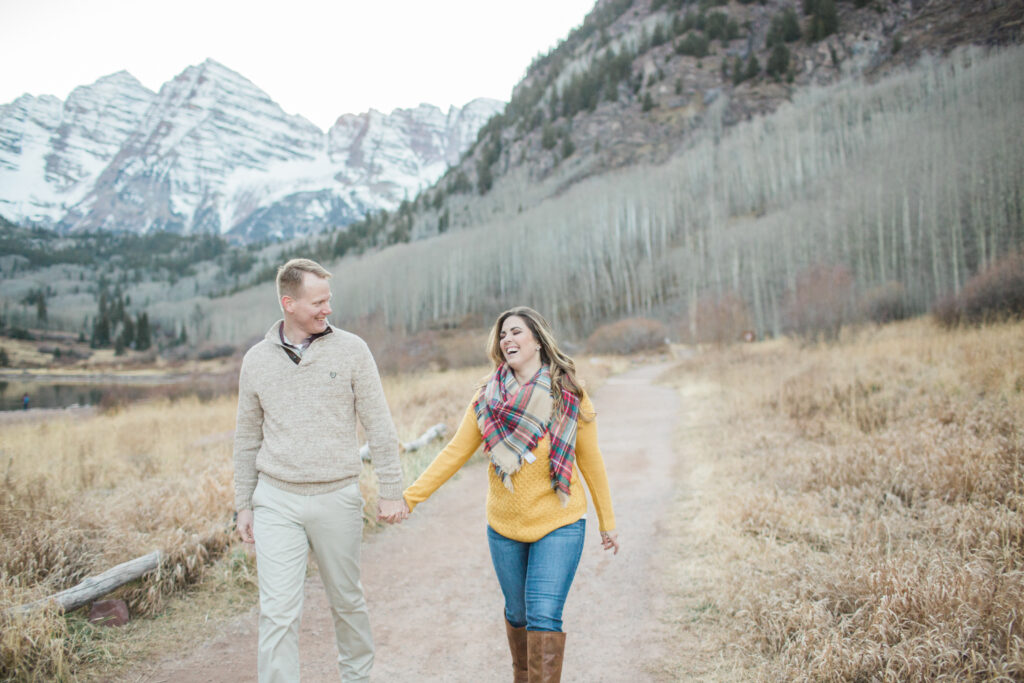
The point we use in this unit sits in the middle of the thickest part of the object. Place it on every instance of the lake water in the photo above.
(61, 394)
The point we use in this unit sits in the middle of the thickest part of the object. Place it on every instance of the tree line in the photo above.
(917, 179)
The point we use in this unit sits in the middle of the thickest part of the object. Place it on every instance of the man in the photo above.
(297, 470)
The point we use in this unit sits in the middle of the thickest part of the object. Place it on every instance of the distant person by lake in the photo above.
(24, 401)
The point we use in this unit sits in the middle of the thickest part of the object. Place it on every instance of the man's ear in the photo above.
(287, 304)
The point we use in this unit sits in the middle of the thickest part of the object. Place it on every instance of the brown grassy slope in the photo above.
(854, 512)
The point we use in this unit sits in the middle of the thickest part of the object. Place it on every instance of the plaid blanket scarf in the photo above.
(514, 418)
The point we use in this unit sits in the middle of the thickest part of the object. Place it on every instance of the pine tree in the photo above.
(778, 62)
(548, 137)
(738, 74)
(824, 19)
(143, 338)
(5, 360)
(753, 68)
(567, 147)
(128, 332)
(100, 332)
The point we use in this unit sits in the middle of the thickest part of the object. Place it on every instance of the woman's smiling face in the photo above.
(518, 345)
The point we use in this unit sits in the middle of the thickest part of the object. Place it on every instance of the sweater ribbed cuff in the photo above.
(390, 491)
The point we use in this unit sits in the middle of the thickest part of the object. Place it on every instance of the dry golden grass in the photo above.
(854, 512)
(83, 494)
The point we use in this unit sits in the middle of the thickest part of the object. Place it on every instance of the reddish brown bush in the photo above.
(443, 348)
(994, 294)
(628, 336)
(820, 303)
(721, 319)
(886, 303)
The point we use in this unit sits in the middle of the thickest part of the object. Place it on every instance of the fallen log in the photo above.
(97, 586)
(435, 432)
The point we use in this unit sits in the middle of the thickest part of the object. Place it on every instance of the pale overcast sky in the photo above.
(316, 58)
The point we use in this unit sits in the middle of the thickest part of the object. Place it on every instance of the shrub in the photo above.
(819, 304)
(628, 336)
(721, 319)
(886, 303)
(214, 352)
(694, 44)
(996, 293)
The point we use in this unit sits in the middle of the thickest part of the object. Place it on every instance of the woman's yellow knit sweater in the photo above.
(533, 509)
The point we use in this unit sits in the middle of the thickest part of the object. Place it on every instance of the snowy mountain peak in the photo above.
(212, 152)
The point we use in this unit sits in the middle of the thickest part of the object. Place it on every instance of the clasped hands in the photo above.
(392, 511)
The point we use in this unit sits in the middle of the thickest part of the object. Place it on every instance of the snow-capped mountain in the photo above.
(211, 152)
(51, 151)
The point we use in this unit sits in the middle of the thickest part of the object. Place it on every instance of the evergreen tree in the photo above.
(5, 360)
(567, 147)
(694, 44)
(100, 332)
(753, 67)
(127, 336)
(41, 307)
(548, 137)
(143, 337)
(778, 62)
(648, 103)
(738, 74)
(785, 28)
(484, 177)
(716, 25)
(824, 19)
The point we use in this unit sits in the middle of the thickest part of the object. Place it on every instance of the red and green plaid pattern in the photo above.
(516, 418)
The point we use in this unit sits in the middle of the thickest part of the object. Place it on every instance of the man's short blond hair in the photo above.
(289, 276)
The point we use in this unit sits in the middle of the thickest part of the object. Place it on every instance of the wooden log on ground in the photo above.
(97, 586)
(435, 432)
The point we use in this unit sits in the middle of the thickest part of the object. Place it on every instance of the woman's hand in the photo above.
(392, 511)
(610, 541)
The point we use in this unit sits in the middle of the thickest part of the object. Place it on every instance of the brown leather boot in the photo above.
(545, 649)
(517, 645)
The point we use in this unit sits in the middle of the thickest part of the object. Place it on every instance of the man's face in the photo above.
(308, 310)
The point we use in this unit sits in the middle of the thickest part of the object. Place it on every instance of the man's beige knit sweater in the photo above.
(296, 425)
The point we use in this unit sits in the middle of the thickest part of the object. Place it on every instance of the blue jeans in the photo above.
(535, 577)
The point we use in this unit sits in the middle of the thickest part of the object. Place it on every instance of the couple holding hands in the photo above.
(302, 389)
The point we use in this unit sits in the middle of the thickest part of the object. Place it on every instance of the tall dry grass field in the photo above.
(854, 512)
(81, 495)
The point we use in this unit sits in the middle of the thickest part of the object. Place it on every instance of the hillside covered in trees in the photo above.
(704, 162)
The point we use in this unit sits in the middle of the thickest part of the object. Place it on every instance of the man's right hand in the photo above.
(243, 523)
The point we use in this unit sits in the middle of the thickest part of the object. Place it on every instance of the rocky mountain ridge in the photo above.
(212, 153)
(639, 80)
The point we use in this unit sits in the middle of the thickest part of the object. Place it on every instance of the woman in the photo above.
(538, 429)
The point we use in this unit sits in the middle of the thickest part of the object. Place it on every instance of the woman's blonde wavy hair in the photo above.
(562, 367)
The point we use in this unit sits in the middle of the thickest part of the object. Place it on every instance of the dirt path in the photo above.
(434, 601)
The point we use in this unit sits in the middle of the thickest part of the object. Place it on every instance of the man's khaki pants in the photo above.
(286, 526)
